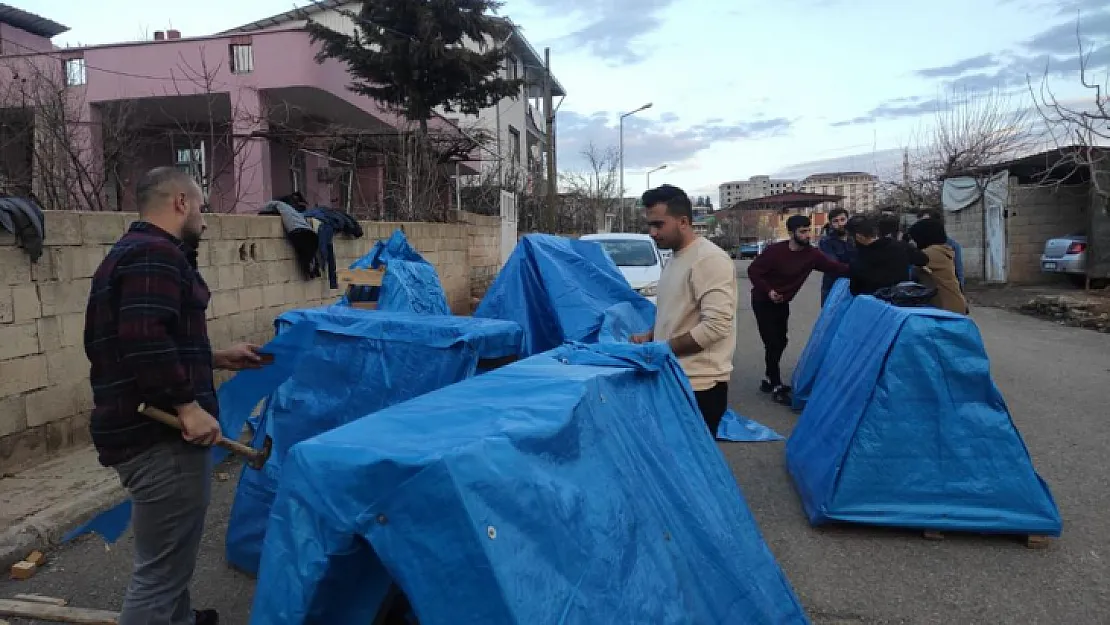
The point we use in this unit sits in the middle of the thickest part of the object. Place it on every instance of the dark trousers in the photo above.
(773, 322)
(713, 402)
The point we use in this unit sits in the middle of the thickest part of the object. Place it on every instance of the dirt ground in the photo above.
(1063, 304)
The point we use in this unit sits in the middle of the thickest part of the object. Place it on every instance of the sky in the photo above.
(738, 87)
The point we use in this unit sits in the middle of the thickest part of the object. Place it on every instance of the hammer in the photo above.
(255, 457)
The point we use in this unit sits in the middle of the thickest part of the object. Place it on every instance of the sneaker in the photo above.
(766, 386)
(781, 395)
(207, 617)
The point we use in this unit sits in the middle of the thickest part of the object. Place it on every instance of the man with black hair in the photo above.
(695, 301)
(777, 275)
(880, 261)
(959, 251)
(837, 245)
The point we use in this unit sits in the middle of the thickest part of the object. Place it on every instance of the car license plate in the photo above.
(1049, 266)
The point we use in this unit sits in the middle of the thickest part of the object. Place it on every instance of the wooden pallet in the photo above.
(360, 277)
(1032, 541)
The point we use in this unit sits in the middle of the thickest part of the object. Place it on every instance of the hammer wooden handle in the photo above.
(234, 447)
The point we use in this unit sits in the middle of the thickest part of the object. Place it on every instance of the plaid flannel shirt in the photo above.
(147, 340)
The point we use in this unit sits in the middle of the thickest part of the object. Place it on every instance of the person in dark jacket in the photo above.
(837, 245)
(880, 261)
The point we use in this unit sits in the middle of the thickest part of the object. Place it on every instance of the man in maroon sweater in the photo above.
(777, 275)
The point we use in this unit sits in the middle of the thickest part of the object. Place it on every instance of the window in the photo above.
(512, 68)
(297, 171)
(75, 72)
(514, 146)
(191, 161)
(629, 252)
(242, 58)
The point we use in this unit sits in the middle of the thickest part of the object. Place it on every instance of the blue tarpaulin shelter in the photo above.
(560, 290)
(809, 363)
(410, 283)
(577, 486)
(360, 362)
(906, 428)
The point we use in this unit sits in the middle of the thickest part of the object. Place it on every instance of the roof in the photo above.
(517, 42)
(34, 24)
(784, 201)
(1058, 164)
(834, 174)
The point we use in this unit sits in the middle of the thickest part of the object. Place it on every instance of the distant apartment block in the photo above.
(754, 187)
(858, 189)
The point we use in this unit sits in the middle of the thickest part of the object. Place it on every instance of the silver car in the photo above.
(1066, 255)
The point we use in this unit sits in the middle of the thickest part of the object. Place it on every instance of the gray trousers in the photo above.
(170, 486)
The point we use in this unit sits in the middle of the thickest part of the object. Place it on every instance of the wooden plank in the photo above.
(360, 277)
(40, 599)
(932, 535)
(365, 305)
(57, 614)
(1037, 542)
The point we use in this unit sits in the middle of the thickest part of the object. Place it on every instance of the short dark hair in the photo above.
(678, 203)
(837, 212)
(797, 221)
(888, 225)
(158, 183)
(863, 225)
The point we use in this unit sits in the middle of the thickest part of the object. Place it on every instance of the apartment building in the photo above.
(754, 187)
(859, 190)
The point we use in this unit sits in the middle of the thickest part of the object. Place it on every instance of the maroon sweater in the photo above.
(783, 270)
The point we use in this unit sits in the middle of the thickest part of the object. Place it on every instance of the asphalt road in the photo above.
(1055, 380)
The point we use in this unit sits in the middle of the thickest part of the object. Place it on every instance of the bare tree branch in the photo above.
(591, 194)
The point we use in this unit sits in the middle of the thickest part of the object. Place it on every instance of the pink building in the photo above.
(251, 114)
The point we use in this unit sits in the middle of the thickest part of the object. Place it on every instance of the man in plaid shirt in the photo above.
(147, 340)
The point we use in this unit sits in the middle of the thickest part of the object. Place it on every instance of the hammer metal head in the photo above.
(260, 456)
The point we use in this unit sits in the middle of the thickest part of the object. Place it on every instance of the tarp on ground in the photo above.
(560, 290)
(410, 283)
(805, 374)
(906, 428)
(578, 486)
(359, 362)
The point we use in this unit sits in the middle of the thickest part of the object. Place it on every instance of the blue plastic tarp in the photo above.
(577, 486)
(739, 429)
(359, 362)
(809, 363)
(906, 428)
(562, 290)
(410, 283)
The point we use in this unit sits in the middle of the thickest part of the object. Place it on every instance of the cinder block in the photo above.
(44, 270)
(22, 374)
(104, 227)
(64, 297)
(13, 415)
(66, 365)
(204, 254)
(224, 303)
(51, 404)
(265, 227)
(7, 305)
(67, 433)
(15, 266)
(273, 295)
(62, 228)
(25, 303)
(235, 226)
(71, 263)
(242, 325)
(250, 298)
(19, 340)
(254, 274)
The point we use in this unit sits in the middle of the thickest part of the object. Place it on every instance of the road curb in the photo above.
(44, 530)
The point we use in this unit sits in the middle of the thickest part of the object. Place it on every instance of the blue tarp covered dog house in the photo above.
(805, 374)
(905, 428)
(576, 487)
(561, 289)
(360, 361)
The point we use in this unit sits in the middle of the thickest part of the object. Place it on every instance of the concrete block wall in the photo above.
(483, 249)
(1036, 215)
(45, 399)
(966, 227)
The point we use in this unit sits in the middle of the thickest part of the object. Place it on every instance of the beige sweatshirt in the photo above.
(697, 294)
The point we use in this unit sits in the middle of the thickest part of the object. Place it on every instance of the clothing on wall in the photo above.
(302, 235)
(23, 217)
(332, 222)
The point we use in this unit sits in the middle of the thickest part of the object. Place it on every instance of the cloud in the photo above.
(612, 27)
(879, 162)
(1054, 52)
(652, 142)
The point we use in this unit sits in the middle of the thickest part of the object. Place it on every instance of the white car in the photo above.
(637, 258)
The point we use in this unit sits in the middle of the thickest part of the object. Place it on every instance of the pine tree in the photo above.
(410, 55)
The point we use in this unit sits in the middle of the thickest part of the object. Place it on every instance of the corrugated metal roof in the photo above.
(34, 24)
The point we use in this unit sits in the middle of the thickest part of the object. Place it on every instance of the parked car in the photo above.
(750, 250)
(636, 256)
(1066, 255)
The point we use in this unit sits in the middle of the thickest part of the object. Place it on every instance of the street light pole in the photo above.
(620, 198)
(663, 166)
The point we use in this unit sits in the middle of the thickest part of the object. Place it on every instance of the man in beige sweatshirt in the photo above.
(696, 301)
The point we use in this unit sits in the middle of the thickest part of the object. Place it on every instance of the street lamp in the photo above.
(620, 199)
(661, 167)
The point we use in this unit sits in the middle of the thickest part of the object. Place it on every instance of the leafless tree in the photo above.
(1080, 132)
(591, 193)
(69, 154)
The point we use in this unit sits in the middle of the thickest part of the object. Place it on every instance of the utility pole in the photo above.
(549, 118)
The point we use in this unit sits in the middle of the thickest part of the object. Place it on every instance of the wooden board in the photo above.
(57, 614)
(360, 277)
